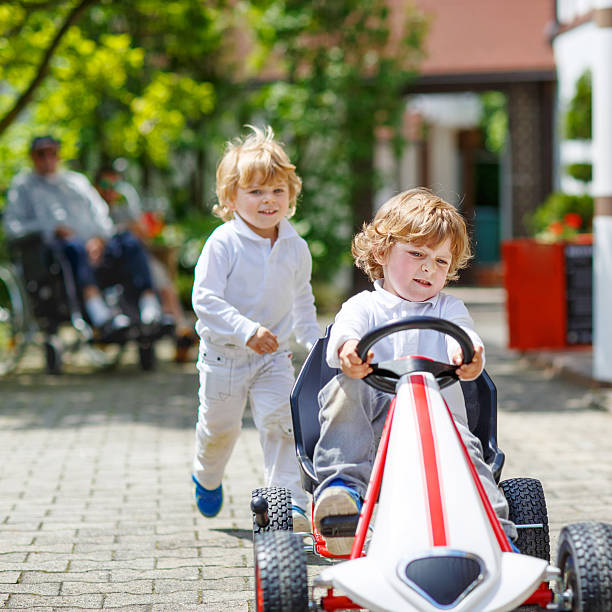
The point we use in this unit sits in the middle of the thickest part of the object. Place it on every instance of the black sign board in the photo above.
(579, 293)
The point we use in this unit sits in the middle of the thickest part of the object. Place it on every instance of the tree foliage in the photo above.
(164, 83)
(578, 119)
(347, 67)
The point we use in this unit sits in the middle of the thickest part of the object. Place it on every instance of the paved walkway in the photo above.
(96, 506)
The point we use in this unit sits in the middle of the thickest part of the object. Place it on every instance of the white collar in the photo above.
(391, 300)
(285, 229)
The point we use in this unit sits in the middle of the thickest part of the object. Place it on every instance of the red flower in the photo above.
(153, 223)
(573, 220)
(556, 228)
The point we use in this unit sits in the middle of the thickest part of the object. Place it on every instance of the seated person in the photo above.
(415, 244)
(126, 212)
(65, 208)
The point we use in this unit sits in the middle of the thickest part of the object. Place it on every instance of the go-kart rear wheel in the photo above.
(279, 509)
(527, 506)
(584, 556)
(281, 577)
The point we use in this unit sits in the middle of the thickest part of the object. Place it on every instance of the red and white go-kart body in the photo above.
(436, 543)
(433, 520)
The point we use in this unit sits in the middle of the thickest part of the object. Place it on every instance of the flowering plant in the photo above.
(562, 217)
(161, 233)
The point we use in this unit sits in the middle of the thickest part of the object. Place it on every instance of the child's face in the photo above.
(416, 273)
(261, 206)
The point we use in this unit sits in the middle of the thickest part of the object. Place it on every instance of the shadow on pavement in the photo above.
(523, 388)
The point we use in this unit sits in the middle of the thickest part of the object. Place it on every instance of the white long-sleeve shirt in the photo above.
(37, 203)
(241, 283)
(369, 309)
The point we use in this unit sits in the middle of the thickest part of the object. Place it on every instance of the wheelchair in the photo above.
(38, 296)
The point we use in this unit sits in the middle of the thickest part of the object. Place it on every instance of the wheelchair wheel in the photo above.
(584, 557)
(281, 576)
(146, 355)
(279, 509)
(14, 331)
(53, 355)
(527, 506)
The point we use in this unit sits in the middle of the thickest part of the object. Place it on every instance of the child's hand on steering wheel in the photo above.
(472, 370)
(351, 363)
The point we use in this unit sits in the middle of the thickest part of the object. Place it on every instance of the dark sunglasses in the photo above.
(45, 153)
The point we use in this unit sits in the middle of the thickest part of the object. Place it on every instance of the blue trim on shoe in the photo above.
(514, 547)
(338, 482)
(299, 510)
(208, 501)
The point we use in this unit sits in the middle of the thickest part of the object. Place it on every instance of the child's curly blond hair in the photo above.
(258, 157)
(418, 216)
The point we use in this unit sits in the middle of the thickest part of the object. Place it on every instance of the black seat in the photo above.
(480, 399)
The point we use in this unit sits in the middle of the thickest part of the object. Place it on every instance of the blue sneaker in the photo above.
(337, 499)
(209, 502)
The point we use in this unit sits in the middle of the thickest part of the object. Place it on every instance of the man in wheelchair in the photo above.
(65, 210)
(415, 244)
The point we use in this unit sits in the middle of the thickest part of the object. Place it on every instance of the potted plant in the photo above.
(541, 274)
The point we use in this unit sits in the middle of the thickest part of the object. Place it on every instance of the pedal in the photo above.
(339, 526)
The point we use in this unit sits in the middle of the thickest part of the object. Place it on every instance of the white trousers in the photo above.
(228, 377)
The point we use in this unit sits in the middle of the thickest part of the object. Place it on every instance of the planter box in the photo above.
(548, 293)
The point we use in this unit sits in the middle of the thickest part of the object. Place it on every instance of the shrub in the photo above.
(561, 216)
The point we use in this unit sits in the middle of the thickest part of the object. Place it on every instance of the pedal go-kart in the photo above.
(436, 543)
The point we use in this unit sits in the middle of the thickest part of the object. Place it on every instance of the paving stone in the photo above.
(43, 588)
(133, 587)
(69, 576)
(33, 601)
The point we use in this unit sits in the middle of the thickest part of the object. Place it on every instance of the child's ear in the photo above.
(380, 257)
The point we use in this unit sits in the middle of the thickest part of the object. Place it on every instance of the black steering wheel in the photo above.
(386, 373)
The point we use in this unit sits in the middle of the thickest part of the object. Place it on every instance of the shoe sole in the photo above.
(339, 546)
(301, 523)
(334, 503)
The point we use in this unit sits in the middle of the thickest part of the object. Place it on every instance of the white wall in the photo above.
(444, 163)
(569, 10)
(573, 52)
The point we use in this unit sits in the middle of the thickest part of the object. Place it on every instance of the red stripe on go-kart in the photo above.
(498, 530)
(430, 462)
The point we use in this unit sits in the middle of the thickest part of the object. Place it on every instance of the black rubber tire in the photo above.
(53, 356)
(279, 509)
(527, 505)
(584, 556)
(147, 357)
(281, 575)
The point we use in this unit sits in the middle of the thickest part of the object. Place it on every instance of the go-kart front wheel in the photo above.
(281, 577)
(279, 509)
(584, 557)
(527, 506)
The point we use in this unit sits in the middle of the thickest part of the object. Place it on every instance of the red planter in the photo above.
(535, 279)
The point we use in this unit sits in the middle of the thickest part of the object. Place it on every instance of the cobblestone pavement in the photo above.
(96, 504)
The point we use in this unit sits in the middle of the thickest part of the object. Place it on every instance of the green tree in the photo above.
(347, 64)
(578, 120)
(164, 83)
(109, 77)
